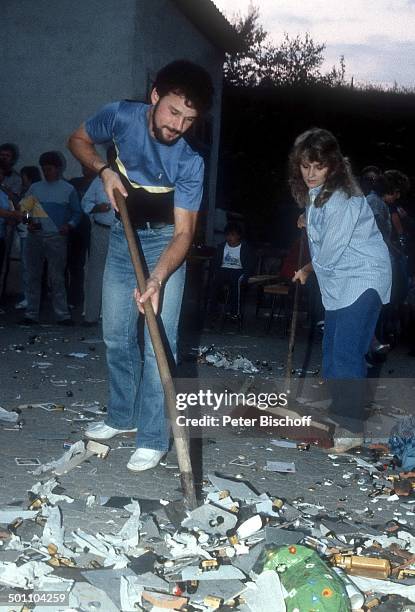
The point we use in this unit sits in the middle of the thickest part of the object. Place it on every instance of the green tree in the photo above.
(295, 61)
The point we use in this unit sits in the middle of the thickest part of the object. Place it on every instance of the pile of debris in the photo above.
(239, 550)
(223, 359)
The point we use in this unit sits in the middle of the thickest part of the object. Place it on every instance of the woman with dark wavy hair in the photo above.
(352, 265)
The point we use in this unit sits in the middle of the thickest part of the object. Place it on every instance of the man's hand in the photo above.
(152, 291)
(301, 221)
(16, 216)
(65, 229)
(301, 275)
(112, 182)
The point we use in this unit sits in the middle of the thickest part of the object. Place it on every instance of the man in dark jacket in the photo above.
(233, 264)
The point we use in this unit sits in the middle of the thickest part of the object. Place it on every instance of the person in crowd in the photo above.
(29, 175)
(11, 182)
(372, 183)
(96, 204)
(233, 263)
(368, 177)
(5, 212)
(78, 244)
(53, 210)
(352, 265)
(7, 216)
(162, 178)
(393, 187)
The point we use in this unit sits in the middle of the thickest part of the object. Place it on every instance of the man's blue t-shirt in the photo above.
(145, 162)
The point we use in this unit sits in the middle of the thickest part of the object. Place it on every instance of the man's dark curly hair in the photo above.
(319, 145)
(187, 79)
(51, 158)
(233, 228)
(14, 149)
(396, 181)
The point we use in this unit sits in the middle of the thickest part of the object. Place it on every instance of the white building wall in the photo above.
(62, 60)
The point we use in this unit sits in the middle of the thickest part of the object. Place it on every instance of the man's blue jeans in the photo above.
(136, 394)
(347, 335)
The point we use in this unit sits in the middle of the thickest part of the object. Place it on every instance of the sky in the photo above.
(377, 37)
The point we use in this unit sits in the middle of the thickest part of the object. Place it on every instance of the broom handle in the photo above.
(293, 327)
(179, 433)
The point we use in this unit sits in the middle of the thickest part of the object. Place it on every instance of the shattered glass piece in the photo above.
(85, 596)
(280, 537)
(23, 576)
(224, 589)
(266, 593)
(202, 517)
(224, 572)
(238, 489)
(9, 416)
(246, 562)
(54, 531)
(284, 467)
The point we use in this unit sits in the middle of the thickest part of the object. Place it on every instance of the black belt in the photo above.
(143, 225)
(102, 224)
(151, 225)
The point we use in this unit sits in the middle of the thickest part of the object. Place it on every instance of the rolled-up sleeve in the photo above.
(100, 127)
(341, 216)
(189, 186)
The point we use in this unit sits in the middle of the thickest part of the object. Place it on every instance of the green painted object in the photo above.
(312, 586)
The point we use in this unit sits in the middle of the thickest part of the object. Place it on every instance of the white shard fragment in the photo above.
(23, 576)
(211, 519)
(284, 467)
(8, 417)
(84, 595)
(384, 587)
(224, 572)
(185, 545)
(60, 466)
(129, 534)
(8, 515)
(266, 593)
(130, 593)
(54, 531)
(284, 443)
(45, 490)
(100, 547)
(237, 489)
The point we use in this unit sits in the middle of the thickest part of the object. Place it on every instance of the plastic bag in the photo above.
(311, 585)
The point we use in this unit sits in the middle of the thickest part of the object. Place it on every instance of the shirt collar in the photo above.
(314, 191)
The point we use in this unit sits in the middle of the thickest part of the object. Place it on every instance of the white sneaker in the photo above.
(144, 459)
(100, 431)
(21, 305)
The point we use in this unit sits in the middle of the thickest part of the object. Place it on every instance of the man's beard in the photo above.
(158, 132)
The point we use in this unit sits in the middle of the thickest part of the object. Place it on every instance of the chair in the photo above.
(281, 304)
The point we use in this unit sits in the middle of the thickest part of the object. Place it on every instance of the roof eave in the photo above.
(209, 20)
